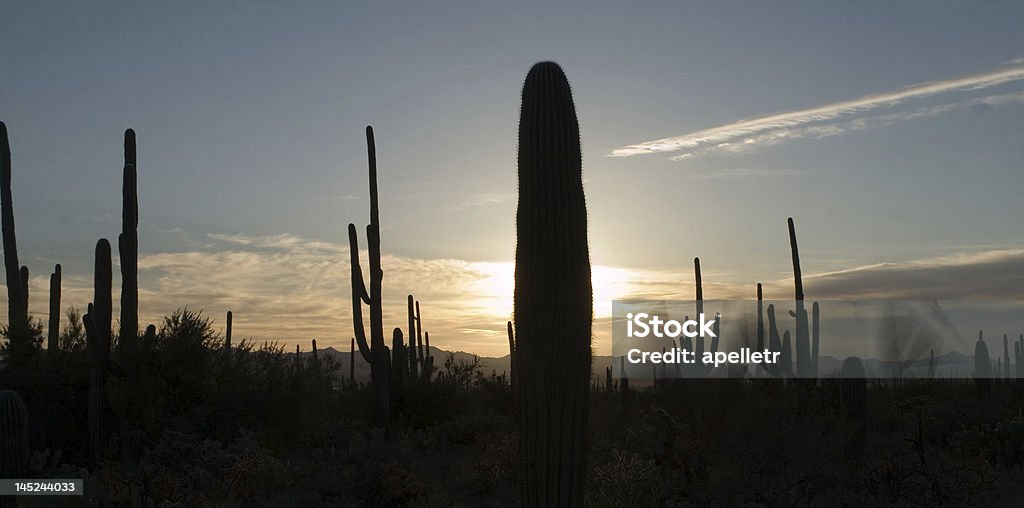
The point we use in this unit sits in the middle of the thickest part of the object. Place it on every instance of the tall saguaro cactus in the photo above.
(375, 352)
(553, 304)
(97, 329)
(413, 357)
(806, 360)
(128, 246)
(17, 311)
(53, 327)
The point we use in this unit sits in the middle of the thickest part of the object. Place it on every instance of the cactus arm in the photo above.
(358, 294)
(358, 285)
(53, 328)
(17, 313)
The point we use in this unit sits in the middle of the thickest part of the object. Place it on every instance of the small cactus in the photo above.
(14, 450)
(982, 366)
(53, 328)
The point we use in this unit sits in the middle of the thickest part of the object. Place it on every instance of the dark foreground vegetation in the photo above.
(263, 429)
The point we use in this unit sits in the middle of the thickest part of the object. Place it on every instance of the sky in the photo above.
(892, 133)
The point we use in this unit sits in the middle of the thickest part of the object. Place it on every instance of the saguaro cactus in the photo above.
(14, 452)
(375, 352)
(1006, 357)
(352, 363)
(553, 294)
(982, 366)
(128, 247)
(97, 329)
(17, 311)
(414, 359)
(227, 333)
(53, 327)
(806, 363)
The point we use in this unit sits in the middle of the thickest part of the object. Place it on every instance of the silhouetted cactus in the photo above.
(428, 364)
(774, 345)
(17, 311)
(759, 371)
(853, 397)
(128, 248)
(1018, 356)
(97, 328)
(1006, 357)
(53, 327)
(553, 294)
(624, 383)
(14, 452)
(806, 362)
(375, 352)
(511, 355)
(414, 358)
(787, 355)
(399, 365)
(982, 366)
(227, 334)
(352, 363)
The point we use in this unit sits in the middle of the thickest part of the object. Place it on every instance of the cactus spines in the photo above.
(853, 393)
(375, 351)
(17, 312)
(553, 304)
(982, 366)
(53, 326)
(128, 247)
(14, 452)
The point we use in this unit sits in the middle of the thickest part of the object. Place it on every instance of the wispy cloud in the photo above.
(832, 119)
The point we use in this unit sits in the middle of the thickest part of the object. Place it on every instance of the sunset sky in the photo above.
(892, 133)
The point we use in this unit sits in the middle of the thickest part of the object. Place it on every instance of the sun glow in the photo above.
(494, 290)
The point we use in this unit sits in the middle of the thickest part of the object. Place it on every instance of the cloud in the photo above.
(997, 274)
(293, 289)
(831, 119)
